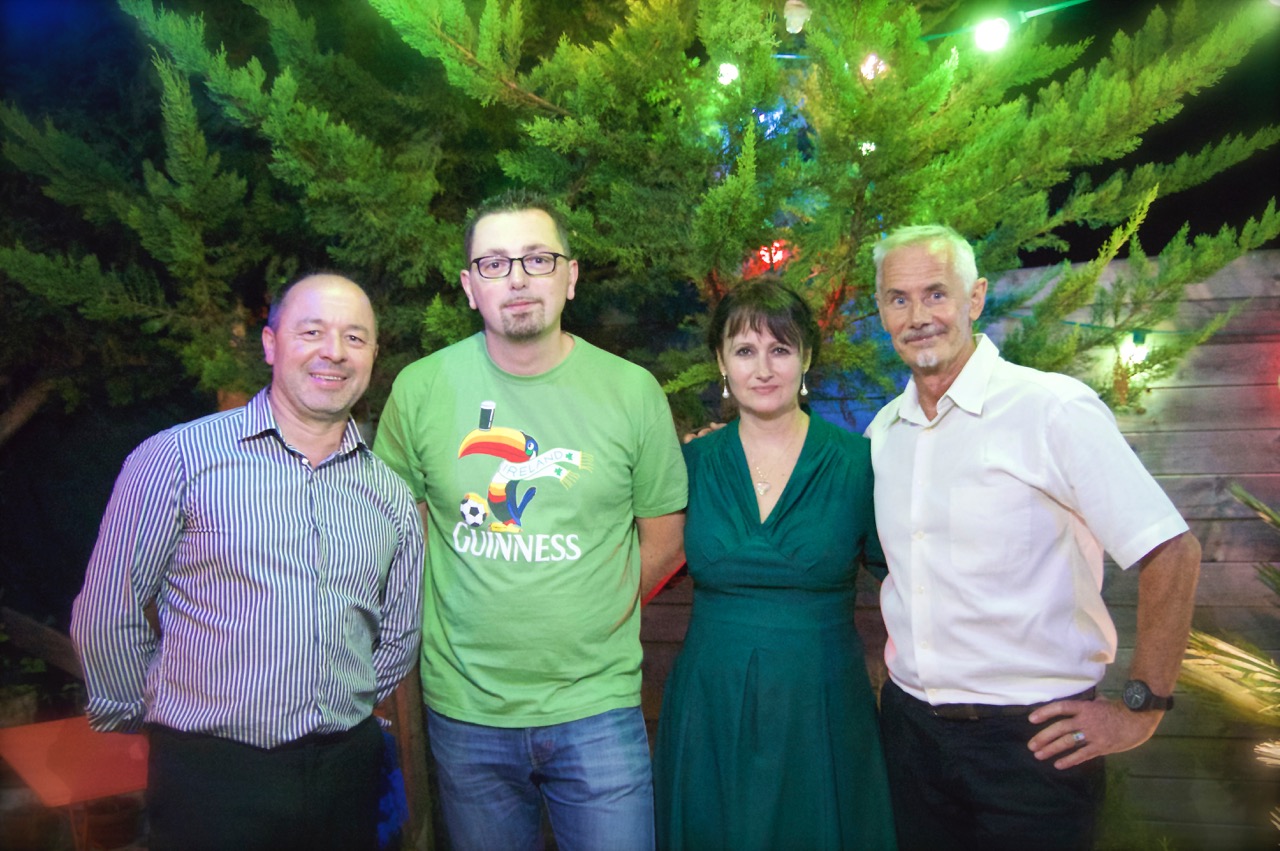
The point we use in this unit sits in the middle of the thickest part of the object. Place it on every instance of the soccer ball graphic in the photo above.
(474, 510)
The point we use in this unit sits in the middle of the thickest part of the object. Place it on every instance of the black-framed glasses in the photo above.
(535, 265)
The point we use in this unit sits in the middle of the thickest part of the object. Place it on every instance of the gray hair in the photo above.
(940, 241)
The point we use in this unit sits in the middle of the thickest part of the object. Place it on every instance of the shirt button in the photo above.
(924, 645)
(918, 535)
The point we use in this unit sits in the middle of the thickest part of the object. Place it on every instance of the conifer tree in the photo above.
(330, 133)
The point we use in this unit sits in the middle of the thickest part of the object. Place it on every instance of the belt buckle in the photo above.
(956, 711)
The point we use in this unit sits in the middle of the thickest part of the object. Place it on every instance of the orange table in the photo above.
(66, 764)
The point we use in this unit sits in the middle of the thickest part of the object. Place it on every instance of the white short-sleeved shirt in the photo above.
(994, 517)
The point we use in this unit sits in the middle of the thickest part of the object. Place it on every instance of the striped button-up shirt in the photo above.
(288, 595)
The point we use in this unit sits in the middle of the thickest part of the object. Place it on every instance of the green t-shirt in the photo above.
(532, 483)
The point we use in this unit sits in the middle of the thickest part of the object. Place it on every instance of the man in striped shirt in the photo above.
(284, 562)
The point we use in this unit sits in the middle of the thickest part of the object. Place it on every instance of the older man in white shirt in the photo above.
(998, 488)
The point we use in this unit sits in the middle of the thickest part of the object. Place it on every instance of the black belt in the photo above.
(326, 739)
(309, 740)
(978, 711)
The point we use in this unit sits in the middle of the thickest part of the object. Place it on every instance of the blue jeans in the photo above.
(592, 774)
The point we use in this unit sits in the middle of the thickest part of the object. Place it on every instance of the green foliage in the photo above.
(445, 323)
(287, 136)
(1120, 824)
(1268, 573)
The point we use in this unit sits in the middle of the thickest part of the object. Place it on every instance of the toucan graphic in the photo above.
(509, 445)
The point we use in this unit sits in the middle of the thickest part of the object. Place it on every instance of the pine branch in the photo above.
(337, 83)
(76, 175)
(1042, 339)
(82, 285)
(374, 205)
(479, 60)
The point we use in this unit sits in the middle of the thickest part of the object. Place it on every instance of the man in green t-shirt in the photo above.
(552, 492)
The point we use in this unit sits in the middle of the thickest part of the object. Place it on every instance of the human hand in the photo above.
(1085, 729)
(705, 430)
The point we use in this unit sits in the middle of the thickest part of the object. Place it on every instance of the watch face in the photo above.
(1136, 694)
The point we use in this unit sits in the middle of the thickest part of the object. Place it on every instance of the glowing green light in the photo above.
(991, 35)
(1133, 350)
(988, 32)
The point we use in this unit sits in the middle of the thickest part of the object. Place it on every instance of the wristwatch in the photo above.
(1138, 697)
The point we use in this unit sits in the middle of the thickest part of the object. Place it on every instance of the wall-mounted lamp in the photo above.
(1133, 350)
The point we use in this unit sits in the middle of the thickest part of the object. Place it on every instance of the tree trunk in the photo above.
(29, 401)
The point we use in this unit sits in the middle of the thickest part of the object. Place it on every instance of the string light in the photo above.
(774, 253)
(993, 33)
(767, 258)
(872, 67)
(1133, 350)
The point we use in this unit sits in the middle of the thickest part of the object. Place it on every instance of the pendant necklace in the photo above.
(761, 483)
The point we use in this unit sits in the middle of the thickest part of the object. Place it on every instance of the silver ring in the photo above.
(1078, 737)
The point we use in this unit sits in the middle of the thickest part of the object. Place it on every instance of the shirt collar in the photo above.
(259, 419)
(967, 392)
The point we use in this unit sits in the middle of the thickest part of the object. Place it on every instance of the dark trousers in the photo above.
(974, 784)
(321, 792)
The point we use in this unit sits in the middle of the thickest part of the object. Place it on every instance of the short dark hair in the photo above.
(277, 301)
(515, 201)
(765, 304)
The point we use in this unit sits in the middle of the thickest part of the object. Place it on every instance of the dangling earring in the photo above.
(804, 391)
(724, 386)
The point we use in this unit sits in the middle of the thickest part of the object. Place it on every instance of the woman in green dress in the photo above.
(768, 736)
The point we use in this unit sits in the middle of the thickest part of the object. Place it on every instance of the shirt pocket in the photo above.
(990, 530)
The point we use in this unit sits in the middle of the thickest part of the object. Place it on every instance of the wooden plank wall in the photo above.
(1214, 422)
(1217, 420)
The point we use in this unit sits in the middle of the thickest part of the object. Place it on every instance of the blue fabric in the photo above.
(592, 774)
(393, 803)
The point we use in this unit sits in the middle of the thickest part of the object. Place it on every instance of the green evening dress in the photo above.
(768, 737)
